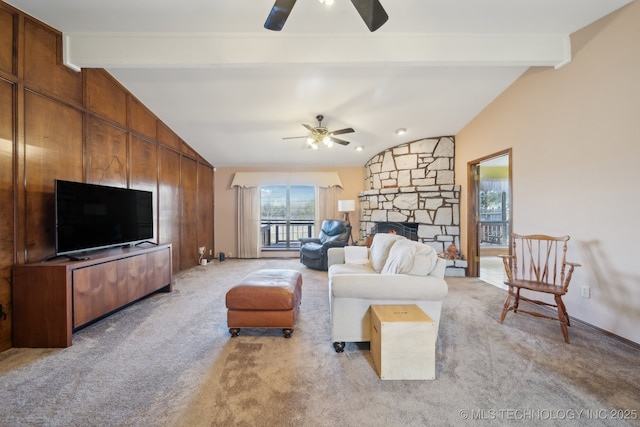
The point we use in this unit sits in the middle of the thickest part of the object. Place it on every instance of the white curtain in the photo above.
(249, 222)
(326, 206)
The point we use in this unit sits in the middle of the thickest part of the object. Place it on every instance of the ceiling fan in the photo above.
(320, 134)
(371, 12)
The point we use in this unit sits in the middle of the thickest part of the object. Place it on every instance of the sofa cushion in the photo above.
(410, 257)
(350, 269)
(382, 243)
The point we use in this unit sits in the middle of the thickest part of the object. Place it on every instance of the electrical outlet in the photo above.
(229, 255)
(210, 251)
(586, 292)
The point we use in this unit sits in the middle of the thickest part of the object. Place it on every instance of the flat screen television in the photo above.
(90, 216)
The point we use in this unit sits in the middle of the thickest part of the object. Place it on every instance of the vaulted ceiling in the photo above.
(233, 89)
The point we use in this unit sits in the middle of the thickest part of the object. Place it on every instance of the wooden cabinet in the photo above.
(53, 299)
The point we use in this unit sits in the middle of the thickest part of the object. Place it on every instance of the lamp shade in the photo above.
(346, 205)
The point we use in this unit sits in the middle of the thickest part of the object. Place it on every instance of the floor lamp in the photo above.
(347, 206)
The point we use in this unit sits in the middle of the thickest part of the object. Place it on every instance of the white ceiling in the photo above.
(232, 89)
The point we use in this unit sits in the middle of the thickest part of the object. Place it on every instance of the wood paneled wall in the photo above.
(56, 123)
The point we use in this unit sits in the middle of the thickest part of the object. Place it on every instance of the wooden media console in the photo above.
(52, 299)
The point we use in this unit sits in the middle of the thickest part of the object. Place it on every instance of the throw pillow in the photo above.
(400, 259)
(380, 248)
(410, 257)
(423, 265)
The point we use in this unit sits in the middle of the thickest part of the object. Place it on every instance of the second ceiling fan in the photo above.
(371, 12)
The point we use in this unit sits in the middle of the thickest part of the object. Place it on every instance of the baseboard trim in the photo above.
(623, 340)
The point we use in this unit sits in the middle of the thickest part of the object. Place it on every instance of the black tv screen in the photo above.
(90, 216)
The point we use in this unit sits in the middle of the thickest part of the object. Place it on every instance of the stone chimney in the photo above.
(414, 183)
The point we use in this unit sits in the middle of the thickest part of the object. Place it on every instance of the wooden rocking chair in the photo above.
(537, 263)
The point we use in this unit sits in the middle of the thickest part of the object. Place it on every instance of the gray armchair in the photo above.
(334, 233)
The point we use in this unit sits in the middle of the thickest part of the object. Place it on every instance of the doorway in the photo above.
(489, 216)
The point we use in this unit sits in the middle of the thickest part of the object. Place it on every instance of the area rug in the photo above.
(168, 360)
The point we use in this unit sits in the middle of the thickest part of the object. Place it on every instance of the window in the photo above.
(287, 213)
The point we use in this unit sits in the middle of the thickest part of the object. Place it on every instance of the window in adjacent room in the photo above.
(287, 213)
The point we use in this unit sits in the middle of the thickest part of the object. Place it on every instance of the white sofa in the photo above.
(394, 270)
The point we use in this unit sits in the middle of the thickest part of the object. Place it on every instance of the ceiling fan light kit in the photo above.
(371, 12)
(314, 140)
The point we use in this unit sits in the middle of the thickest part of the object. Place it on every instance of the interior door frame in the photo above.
(473, 184)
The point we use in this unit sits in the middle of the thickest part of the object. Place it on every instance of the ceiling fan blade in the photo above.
(372, 13)
(311, 128)
(279, 14)
(294, 137)
(342, 131)
(340, 141)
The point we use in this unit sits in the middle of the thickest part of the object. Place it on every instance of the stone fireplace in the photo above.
(412, 184)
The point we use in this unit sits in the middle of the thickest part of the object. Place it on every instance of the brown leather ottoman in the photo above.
(267, 298)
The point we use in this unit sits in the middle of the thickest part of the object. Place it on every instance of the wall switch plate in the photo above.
(586, 292)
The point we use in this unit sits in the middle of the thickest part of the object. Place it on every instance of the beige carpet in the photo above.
(169, 361)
